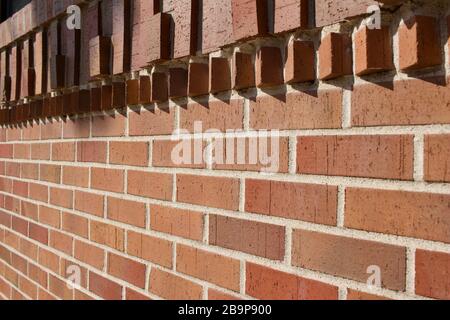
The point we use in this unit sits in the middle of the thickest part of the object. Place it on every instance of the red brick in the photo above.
(118, 102)
(38, 275)
(299, 110)
(211, 115)
(51, 130)
(60, 288)
(132, 91)
(306, 202)
(328, 12)
(63, 151)
(49, 260)
(150, 123)
(76, 176)
(38, 192)
(142, 184)
(172, 287)
(222, 271)
(432, 274)
(121, 38)
(219, 74)
(410, 214)
(155, 38)
(160, 90)
(290, 14)
(38, 233)
(87, 253)
(250, 18)
(300, 61)
(134, 295)
(162, 151)
(419, 43)
(50, 173)
(373, 50)
(384, 157)
(50, 216)
(75, 224)
(335, 56)
(145, 87)
(6, 151)
(107, 235)
(247, 236)
(78, 128)
(405, 102)
(208, 191)
(182, 223)
(243, 75)
(129, 153)
(185, 13)
(198, 83)
(269, 67)
(128, 270)
(104, 288)
(19, 225)
(21, 151)
(107, 179)
(92, 151)
(61, 197)
(149, 248)
(20, 188)
(30, 171)
(128, 212)
(349, 258)
(437, 158)
(358, 295)
(29, 210)
(40, 151)
(61, 242)
(269, 284)
(109, 126)
(217, 25)
(90, 203)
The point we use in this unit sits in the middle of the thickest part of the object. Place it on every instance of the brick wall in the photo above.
(89, 182)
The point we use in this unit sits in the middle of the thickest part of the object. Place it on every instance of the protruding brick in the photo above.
(132, 91)
(121, 36)
(145, 88)
(99, 55)
(250, 18)
(373, 50)
(159, 92)
(198, 83)
(185, 14)
(219, 75)
(119, 94)
(243, 71)
(300, 62)
(419, 43)
(217, 24)
(290, 14)
(335, 56)
(178, 82)
(269, 67)
(155, 39)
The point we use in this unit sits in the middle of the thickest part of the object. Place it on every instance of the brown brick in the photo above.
(306, 202)
(259, 239)
(181, 223)
(409, 214)
(160, 90)
(219, 74)
(178, 82)
(198, 83)
(132, 91)
(219, 270)
(349, 258)
(269, 284)
(145, 87)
